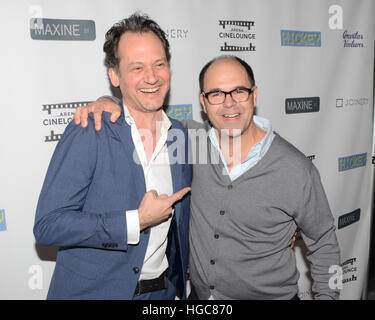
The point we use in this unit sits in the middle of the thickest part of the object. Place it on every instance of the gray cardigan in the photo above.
(240, 231)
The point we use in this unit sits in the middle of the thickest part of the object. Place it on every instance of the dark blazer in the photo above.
(91, 181)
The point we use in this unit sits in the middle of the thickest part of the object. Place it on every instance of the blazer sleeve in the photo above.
(60, 219)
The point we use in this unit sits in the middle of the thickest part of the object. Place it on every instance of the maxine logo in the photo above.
(349, 218)
(302, 105)
(3, 225)
(62, 29)
(300, 38)
(351, 162)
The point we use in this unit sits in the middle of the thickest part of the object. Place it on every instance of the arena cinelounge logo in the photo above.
(238, 35)
(58, 117)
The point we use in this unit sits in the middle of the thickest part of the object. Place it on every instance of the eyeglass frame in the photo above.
(249, 90)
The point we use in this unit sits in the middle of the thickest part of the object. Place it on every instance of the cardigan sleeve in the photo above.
(318, 232)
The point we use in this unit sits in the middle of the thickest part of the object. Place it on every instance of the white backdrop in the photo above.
(313, 64)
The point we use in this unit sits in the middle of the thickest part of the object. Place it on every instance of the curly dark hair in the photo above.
(138, 23)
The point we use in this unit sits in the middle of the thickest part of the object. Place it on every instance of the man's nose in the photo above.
(228, 101)
(151, 76)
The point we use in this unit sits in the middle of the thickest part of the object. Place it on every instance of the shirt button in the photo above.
(135, 269)
(222, 212)
(212, 261)
(216, 236)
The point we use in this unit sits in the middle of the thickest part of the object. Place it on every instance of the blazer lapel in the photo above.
(174, 145)
(124, 134)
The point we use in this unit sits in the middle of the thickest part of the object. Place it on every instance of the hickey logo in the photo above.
(181, 111)
(62, 29)
(300, 38)
(302, 105)
(349, 218)
(352, 162)
(3, 224)
(237, 31)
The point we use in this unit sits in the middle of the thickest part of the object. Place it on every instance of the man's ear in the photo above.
(201, 97)
(255, 95)
(114, 77)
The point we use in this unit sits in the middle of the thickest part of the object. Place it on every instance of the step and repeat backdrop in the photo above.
(314, 67)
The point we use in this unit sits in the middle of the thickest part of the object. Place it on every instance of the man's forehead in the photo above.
(137, 45)
(226, 72)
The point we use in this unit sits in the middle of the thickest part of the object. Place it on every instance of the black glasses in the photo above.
(238, 95)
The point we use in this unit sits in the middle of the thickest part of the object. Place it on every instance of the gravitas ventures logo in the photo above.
(62, 29)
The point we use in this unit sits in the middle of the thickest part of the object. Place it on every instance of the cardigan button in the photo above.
(136, 270)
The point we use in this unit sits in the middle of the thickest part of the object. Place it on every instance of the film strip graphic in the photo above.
(236, 23)
(52, 137)
(64, 105)
(225, 47)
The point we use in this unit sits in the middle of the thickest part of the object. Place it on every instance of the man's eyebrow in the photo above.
(218, 89)
(134, 63)
(160, 60)
(215, 90)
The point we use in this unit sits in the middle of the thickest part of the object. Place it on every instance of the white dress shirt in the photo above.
(157, 173)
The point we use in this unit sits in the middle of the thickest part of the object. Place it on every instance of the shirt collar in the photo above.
(165, 122)
(259, 148)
